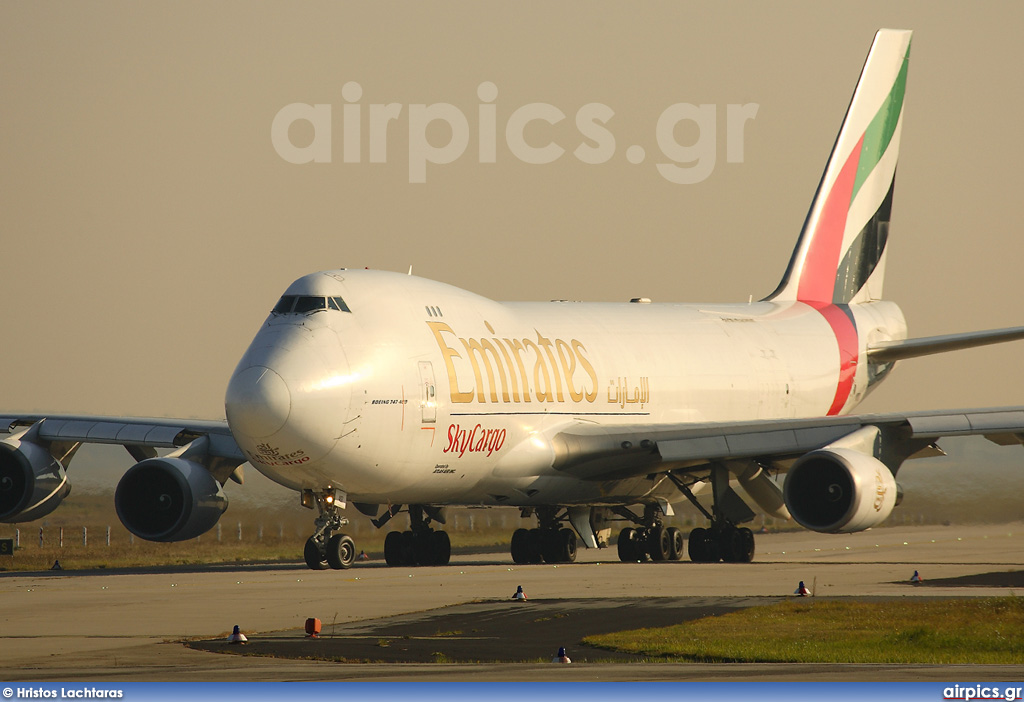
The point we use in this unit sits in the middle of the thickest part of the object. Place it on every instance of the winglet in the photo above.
(840, 256)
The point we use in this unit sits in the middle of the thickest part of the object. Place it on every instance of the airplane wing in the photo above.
(161, 498)
(141, 436)
(594, 452)
(840, 470)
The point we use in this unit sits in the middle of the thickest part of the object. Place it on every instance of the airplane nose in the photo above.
(258, 401)
(289, 395)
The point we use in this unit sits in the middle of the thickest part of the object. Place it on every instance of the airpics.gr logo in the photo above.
(687, 163)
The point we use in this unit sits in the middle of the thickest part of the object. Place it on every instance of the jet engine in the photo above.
(32, 482)
(840, 490)
(169, 499)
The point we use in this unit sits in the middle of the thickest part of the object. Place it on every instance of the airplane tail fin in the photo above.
(840, 256)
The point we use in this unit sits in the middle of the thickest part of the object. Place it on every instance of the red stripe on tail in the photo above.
(818, 278)
(849, 352)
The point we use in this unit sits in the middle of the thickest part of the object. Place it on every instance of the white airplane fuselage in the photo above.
(422, 393)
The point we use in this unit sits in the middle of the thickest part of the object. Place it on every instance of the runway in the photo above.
(99, 625)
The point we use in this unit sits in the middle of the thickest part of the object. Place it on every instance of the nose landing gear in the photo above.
(328, 547)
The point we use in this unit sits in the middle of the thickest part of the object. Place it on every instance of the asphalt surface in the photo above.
(488, 632)
(395, 622)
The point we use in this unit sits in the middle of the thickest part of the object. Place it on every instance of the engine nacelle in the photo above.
(169, 499)
(32, 482)
(840, 490)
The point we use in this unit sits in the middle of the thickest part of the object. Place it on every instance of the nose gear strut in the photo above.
(328, 547)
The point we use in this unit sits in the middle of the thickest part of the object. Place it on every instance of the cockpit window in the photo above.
(305, 304)
(310, 304)
(336, 303)
(285, 304)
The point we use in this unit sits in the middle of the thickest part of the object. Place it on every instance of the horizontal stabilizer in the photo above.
(888, 351)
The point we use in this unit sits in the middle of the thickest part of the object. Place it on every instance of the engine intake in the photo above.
(840, 490)
(32, 482)
(169, 499)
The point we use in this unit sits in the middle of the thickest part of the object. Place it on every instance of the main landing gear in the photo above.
(650, 540)
(723, 540)
(726, 543)
(550, 542)
(328, 547)
(420, 544)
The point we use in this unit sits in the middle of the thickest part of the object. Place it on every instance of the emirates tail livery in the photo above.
(395, 393)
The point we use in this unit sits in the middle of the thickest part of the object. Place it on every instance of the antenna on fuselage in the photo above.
(410, 270)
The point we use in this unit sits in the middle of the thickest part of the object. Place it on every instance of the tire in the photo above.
(658, 543)
(536, 542)
(341, 551)
(738, 546)
(696, 545)
(424, 548)
(627, 545)
(314, 558)
(442, 547)
(521, 546)
(407, 552)
(676, 545)
(393, 548)
(567, 537)
(712, 547)
(551, 546)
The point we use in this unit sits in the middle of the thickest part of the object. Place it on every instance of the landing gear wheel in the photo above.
(675, 542)
(341, 551)
(737, 545)
(313, 555)
(627, 545)
(442, 547)
(423, 549)
(551, 546)
(407, 552)
(712, 548)
(703, 546)
(393, 548)
(521, 546)
(658, 543)
(567, 539)
(536, 542)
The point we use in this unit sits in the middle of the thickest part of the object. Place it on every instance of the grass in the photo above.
(989, 630)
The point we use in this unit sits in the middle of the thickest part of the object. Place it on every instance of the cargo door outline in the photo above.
(428, 393)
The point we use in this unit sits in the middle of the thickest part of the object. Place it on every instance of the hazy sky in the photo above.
(149, 224)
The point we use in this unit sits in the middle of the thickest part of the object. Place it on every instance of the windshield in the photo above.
(306, 304)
